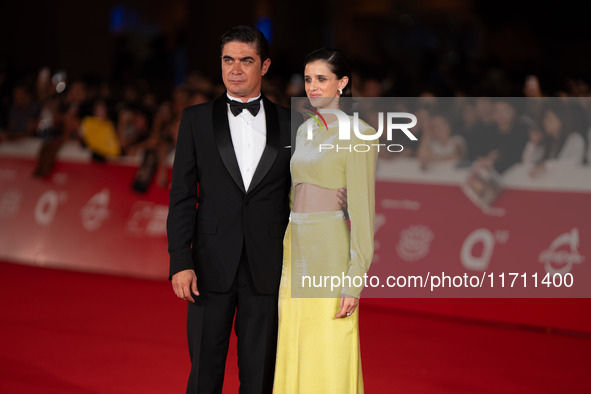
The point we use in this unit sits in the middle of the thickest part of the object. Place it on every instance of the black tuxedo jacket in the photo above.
(210, 238)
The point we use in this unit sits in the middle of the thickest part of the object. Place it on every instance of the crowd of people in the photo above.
(111, 122)
(114, 121)
(499, 132)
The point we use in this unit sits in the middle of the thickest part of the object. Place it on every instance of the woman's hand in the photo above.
(348, 306)
(537, 170)
(342, 196)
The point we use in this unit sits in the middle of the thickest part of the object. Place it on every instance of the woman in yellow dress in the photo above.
(318, 341)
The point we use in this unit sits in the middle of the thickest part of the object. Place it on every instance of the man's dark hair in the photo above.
(247, 35)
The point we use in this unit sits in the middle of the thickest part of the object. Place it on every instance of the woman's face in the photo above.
(440, 128)
(552, 123)
(535, 135)
(322, 85)
(504, 113)
(423, 118)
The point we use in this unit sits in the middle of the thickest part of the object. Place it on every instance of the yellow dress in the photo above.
(317, 353)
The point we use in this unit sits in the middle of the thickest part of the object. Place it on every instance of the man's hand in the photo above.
(348, 306)
(342, 196)
(183, 283)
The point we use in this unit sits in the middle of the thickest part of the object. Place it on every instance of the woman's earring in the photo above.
(341, 92)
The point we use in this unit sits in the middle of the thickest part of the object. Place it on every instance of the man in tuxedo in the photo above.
(232, 162)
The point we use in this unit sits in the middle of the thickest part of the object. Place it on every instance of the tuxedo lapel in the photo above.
(223, 139)
(271, 147)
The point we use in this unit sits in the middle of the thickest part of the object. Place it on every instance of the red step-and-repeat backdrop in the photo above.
(524, 260)
(84, 216)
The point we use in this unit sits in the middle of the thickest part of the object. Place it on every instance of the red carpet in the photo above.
(67, 332)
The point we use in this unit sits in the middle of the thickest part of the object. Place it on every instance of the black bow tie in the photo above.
(252, 106)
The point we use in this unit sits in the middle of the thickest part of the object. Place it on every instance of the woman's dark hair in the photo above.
(553, 145)
(247, 35)
(339, 65)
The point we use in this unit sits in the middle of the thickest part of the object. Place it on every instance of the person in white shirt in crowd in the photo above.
(563, 145)
(438, 144)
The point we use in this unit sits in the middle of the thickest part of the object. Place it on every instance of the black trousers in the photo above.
(209, 325)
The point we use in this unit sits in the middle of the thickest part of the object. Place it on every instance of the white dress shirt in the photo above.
(249, 137)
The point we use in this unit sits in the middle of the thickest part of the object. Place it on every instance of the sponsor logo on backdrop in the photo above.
(562, 261)
(415, 242)
(488, 240)
(47, 205)
(10, 202)
(96, 210)
(147, 219)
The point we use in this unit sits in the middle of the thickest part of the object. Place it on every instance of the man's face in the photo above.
(242, 70)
